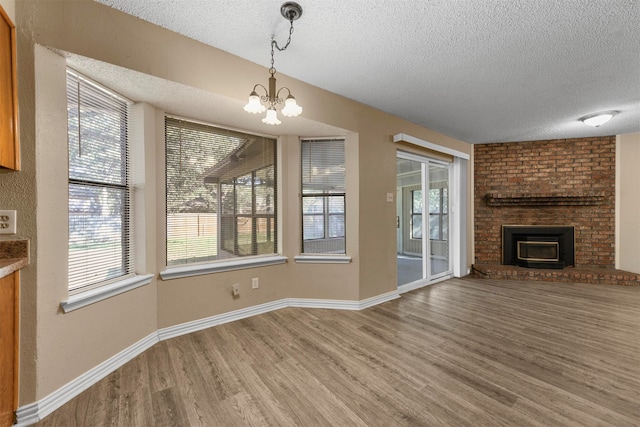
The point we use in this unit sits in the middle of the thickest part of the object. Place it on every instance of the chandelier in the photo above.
(291, 11)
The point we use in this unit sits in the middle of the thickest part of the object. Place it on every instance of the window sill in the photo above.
(323, 259)
(220, 266)
(83, 299)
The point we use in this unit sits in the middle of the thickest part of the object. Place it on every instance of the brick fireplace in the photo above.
(565, 182)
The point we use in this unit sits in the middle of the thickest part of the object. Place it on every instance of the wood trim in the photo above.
(322, 259)
(522, 199)
(231, 264)
(10, 148)
(16, 339)
(403, 137)
(8, 351)
(91, 296)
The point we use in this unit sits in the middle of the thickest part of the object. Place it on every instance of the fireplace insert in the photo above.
(538, 246)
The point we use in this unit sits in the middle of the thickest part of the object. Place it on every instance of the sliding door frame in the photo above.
(457, 216)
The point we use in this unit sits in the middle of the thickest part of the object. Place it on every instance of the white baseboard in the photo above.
(207, 322)
(323, 303)
(379, 299)
(342, 304)
(34, 412)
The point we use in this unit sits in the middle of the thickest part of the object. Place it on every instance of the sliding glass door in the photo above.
(438, 241)
(409, 209)
(423, 205)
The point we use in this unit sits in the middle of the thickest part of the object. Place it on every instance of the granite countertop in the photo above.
(14, 255)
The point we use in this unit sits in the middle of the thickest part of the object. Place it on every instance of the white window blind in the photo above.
(323, 196)
(221, 193)
(100, 248)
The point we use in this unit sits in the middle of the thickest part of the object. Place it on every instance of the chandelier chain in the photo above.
(274, 43)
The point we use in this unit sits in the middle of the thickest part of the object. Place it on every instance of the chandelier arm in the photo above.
(278, 93)
(263, 88)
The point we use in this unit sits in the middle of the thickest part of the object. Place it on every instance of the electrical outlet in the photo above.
(8, 222)
(235, 289)
(255, 283)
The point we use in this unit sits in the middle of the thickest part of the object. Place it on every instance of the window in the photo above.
(323, 196)
(221, 193)
(416, 214)
(100, 248)
(438, 214)
(438, 219)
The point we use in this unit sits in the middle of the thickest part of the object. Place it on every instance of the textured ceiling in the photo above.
(476, 70)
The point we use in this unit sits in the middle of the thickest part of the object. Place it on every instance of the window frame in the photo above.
(221, 212)
(124, 188)
(325, 196)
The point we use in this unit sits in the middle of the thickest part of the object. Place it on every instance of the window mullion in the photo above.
(236, 246)
(98, 184)
(254, 225)
(325, 210)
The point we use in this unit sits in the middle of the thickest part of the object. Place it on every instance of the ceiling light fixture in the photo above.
(291, 11)
(598, 119)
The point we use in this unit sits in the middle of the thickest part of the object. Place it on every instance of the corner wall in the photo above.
(628, 203)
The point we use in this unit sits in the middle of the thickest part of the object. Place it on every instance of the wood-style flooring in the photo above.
(465, 352)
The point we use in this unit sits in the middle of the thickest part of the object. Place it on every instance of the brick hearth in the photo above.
(574, 275)
(555, 182)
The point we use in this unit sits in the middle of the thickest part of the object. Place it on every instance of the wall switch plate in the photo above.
(255, 283)
(8, 222)
(235, 289)
(389, 197)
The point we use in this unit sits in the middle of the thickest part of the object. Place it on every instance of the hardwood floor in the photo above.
(465, 352)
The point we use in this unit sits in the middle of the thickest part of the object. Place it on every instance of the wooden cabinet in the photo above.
(9, 140)
(9, 294)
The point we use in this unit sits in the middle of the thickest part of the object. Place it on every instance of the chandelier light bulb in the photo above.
(291, 107)
(254, 106)
(272, 117)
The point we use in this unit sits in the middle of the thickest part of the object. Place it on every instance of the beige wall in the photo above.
(628, 202)
(334, 281)
(70, 344)
(56, 348)
(9, 6)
